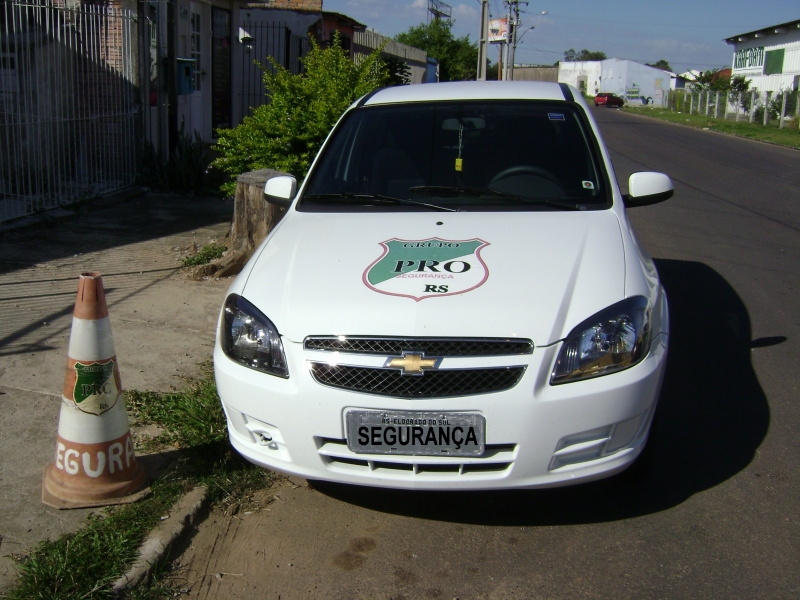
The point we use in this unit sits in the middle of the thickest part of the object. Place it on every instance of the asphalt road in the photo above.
(712, 509)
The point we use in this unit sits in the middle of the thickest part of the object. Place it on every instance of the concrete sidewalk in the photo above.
(162, 322)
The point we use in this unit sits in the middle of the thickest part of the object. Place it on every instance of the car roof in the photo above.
(467, 90)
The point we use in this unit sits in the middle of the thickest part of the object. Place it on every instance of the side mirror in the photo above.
(647, 188)
(280, 190)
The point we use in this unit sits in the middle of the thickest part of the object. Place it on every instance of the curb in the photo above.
(182, 516)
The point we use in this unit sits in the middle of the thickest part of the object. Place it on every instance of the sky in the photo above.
(688, 34)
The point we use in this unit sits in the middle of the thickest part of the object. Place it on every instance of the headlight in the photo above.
(250, 338)
(612, 340)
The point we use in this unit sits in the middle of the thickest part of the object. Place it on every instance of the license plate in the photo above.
(416, 433)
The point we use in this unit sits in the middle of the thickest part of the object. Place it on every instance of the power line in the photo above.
(651, 23)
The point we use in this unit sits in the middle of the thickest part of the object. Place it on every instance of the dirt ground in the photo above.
(162, 322)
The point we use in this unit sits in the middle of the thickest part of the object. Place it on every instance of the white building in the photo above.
(769, 58)
(582, 74)
(626, 78)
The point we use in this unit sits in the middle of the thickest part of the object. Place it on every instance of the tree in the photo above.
(740, 85)
(286, 133)
(714, 80)
(399, 71)
(660, 64)
(572, 56)
(458, 57)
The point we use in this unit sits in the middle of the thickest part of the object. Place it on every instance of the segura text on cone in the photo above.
(94, 464)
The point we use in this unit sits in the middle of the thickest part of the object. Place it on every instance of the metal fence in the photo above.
(68, 103)
(261, 41)
(754, 106)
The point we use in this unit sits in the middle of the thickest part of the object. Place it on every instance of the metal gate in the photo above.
(68, 103)
(261, 40)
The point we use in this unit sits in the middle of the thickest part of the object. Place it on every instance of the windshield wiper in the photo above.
(378, 198)
(445, 190)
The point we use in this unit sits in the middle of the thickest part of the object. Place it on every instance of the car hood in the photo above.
(524, 274)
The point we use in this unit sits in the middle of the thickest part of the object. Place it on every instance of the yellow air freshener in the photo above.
(459, 164)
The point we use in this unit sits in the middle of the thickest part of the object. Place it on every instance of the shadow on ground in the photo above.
(711, 418)
(99, 225)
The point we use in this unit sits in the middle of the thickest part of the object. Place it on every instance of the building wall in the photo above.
(588, 71)
(789, 42)
(364, 42)
(616, 76)
(536, 74)
(621, 77)
(344, 25)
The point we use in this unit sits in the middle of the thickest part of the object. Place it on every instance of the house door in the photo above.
(197, 51)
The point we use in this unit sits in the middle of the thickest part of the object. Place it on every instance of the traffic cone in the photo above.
(94, 463)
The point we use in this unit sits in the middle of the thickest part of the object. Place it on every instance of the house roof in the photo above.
(351, 21)
(782, 28)
(301, 7)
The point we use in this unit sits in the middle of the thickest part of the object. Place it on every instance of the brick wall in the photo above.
(314, 5)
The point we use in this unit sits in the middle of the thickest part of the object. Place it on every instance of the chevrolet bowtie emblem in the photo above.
(412, 363)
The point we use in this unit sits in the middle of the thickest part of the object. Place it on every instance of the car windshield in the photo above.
(469, 155)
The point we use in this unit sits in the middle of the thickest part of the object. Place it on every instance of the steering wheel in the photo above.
(524, 170)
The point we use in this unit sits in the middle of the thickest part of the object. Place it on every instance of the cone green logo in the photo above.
(420, 269)
(95, 387)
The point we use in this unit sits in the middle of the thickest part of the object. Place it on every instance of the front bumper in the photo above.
(537, 435)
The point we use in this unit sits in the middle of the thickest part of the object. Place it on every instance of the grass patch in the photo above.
(84, 565)
(770, 133)
(205, 255)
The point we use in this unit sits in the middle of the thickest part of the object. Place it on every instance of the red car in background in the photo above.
(605, 99)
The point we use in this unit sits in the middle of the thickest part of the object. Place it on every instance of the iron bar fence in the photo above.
(68, 103)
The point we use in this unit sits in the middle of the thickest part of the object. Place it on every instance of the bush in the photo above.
(776, 103)
(286, 133)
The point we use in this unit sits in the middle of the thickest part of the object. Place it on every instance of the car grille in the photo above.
(495, 462)
(428, 346)
(433, 384)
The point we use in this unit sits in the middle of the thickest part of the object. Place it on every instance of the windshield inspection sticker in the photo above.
(556, 116)
(420, 269)
(588, 185)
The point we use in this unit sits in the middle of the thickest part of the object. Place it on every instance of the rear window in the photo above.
(476, 155)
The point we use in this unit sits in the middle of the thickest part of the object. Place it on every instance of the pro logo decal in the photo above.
(422, 269)
(96, 389)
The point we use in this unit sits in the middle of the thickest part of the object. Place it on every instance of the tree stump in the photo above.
(253, 216)
(253, 219)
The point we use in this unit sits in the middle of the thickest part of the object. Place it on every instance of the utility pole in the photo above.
(513, 24)
(507, 43)
(483, 44)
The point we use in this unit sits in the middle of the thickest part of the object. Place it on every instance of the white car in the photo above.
(455, 300)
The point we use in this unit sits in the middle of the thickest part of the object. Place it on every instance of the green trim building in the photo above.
(769, 57)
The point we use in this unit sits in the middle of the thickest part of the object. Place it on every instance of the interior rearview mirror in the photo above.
(468, 123)
(647, 188)
(280, 190)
